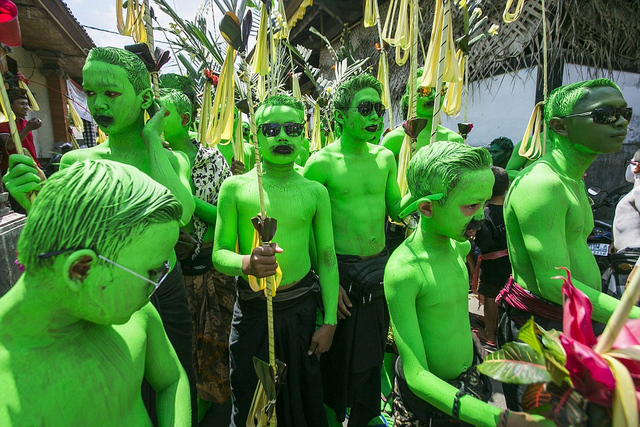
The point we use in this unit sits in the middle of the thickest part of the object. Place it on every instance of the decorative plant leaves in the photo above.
(230, 30)
(528, 334)
(516, 363)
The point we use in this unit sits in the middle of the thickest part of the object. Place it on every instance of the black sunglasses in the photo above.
(273, 129)
(365, 108)
(606, 115)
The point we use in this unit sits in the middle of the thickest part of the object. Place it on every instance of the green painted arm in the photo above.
(165, 374)
(169, 168)
(393, 196)
(541, 227)
(327, 265)
(205, 211)
(402, 290)
(224, 257)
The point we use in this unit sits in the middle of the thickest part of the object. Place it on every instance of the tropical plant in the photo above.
(572, 377)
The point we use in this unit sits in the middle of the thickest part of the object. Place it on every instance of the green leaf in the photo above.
(528, 334)
(551, 343)
(515, 363)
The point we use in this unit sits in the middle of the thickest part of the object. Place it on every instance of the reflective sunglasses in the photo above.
(156, 278)
(606, 115)
(365, 108)
(273, 129)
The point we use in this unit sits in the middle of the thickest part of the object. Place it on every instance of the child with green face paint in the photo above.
(300, 207)
(118, 92)
(211, 294)
(426, 96)
(547, 214)
(361, 179)
(78, 333)
(426, 285)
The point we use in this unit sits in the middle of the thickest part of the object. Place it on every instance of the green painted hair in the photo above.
(95, 204)
(278, 101)
(178, 100)
(177, 82)
(134, 67)
(437, 168)
(346, 91)
(503, 143)
(563, 100)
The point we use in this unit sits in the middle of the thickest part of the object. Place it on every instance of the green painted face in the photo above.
(280, 148)
(424, 105)
(593, 137)
(111, 98)
(354, 123)
(499, 155)
(118, 293)
(173, 127)
(463, 204)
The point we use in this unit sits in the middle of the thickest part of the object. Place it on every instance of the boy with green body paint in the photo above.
(118, 92)
(361, 180)
(78, 333)
(300, 207)
(426, 96)
(426, 286)
(211, 294)
(547, 213)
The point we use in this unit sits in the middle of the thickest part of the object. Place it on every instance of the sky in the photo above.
(102, 14)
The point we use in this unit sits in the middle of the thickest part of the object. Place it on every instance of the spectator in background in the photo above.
(494, 263)
(501, 149)
(626, 223)
(20, 107)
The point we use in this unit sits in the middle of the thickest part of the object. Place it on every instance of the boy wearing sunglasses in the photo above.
(78, 333)
(548, 216)
(426, 97)
(361, 179)
(302, 209)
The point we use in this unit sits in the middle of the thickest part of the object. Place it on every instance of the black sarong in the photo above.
(351, 367)
(299, 403)
(171, 302)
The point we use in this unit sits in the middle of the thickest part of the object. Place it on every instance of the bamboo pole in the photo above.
(437, 105)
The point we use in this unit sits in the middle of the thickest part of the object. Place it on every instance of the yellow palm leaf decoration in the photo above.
(510, 17)
(295, 87)
(3, 116)
(205, 115)
(453, 99)
(441, 38)
(400, 27)
(101, 137)
(238, 142)
(260, 60)
(75, 117)
(370, 13)
(534, 146)
(134, 24)
(221, 127)
(316, 136)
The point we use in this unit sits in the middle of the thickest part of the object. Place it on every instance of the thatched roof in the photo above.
(599, 33)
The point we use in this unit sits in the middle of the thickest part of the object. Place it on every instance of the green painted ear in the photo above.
(338, 116)
(77, 267)
(426, 208)
(186, 119)
(147, 98)
(557, 125)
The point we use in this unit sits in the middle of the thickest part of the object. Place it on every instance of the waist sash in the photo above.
(521, 299)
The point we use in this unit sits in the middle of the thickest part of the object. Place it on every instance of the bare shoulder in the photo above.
(80, 155)
(537, 179)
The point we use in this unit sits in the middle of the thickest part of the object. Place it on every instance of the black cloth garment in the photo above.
(299, 403)
(351, 367)
(171, 302)
(410, 410)
(492, 237)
